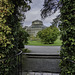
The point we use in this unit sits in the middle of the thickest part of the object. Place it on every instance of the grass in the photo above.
(39, 43)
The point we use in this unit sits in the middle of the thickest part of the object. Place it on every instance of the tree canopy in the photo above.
(50, 7)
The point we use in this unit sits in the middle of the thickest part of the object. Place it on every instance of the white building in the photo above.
(36, 26)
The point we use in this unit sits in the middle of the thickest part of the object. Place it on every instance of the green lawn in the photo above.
(39, 43)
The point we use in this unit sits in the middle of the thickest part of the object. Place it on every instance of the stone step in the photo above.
(41, 63)
(42, 55)
(38, 73)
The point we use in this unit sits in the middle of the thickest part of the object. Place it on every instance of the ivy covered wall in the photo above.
(68, 37)
(12, 35)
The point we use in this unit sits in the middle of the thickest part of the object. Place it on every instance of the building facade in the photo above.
(36, 26)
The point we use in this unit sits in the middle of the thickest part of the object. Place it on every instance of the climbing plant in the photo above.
(10, 31)
(6, 9)
(68, 37)
(5, 30)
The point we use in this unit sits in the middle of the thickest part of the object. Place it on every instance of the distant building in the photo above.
(36, 26)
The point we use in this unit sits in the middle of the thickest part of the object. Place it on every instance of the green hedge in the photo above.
(68, 37)
(11, 33)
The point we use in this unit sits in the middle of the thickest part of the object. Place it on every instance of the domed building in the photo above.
(36, 26)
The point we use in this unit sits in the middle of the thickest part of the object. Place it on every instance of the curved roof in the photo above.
(36, 21)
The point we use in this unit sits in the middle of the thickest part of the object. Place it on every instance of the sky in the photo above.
(34, 14)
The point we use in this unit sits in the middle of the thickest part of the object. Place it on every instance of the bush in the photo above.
(48, 35)
(33, 38)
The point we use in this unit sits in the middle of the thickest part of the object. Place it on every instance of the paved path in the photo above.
(40, 62)
(44, 49)
(38, 73)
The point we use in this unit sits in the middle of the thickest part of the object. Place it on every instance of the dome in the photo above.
(38, 22)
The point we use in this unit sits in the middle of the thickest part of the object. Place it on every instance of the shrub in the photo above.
(48, 35)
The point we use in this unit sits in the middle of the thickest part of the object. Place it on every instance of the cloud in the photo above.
(35, 12)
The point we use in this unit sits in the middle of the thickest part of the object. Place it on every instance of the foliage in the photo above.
(26, 50)
(50, 7)
(56, 21)
(5, 32)
(33, 38)
(14, 19)
(48, 35)
(68, 37)
(58, 42)
(22, 38)
(10, 30)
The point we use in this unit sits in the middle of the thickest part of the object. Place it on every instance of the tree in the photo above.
(50, 7)
(23, 38)
(56, 21)
(48, 35)
(15, 19)
(67, 28)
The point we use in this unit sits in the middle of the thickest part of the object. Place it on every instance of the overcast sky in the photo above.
(35, 12)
